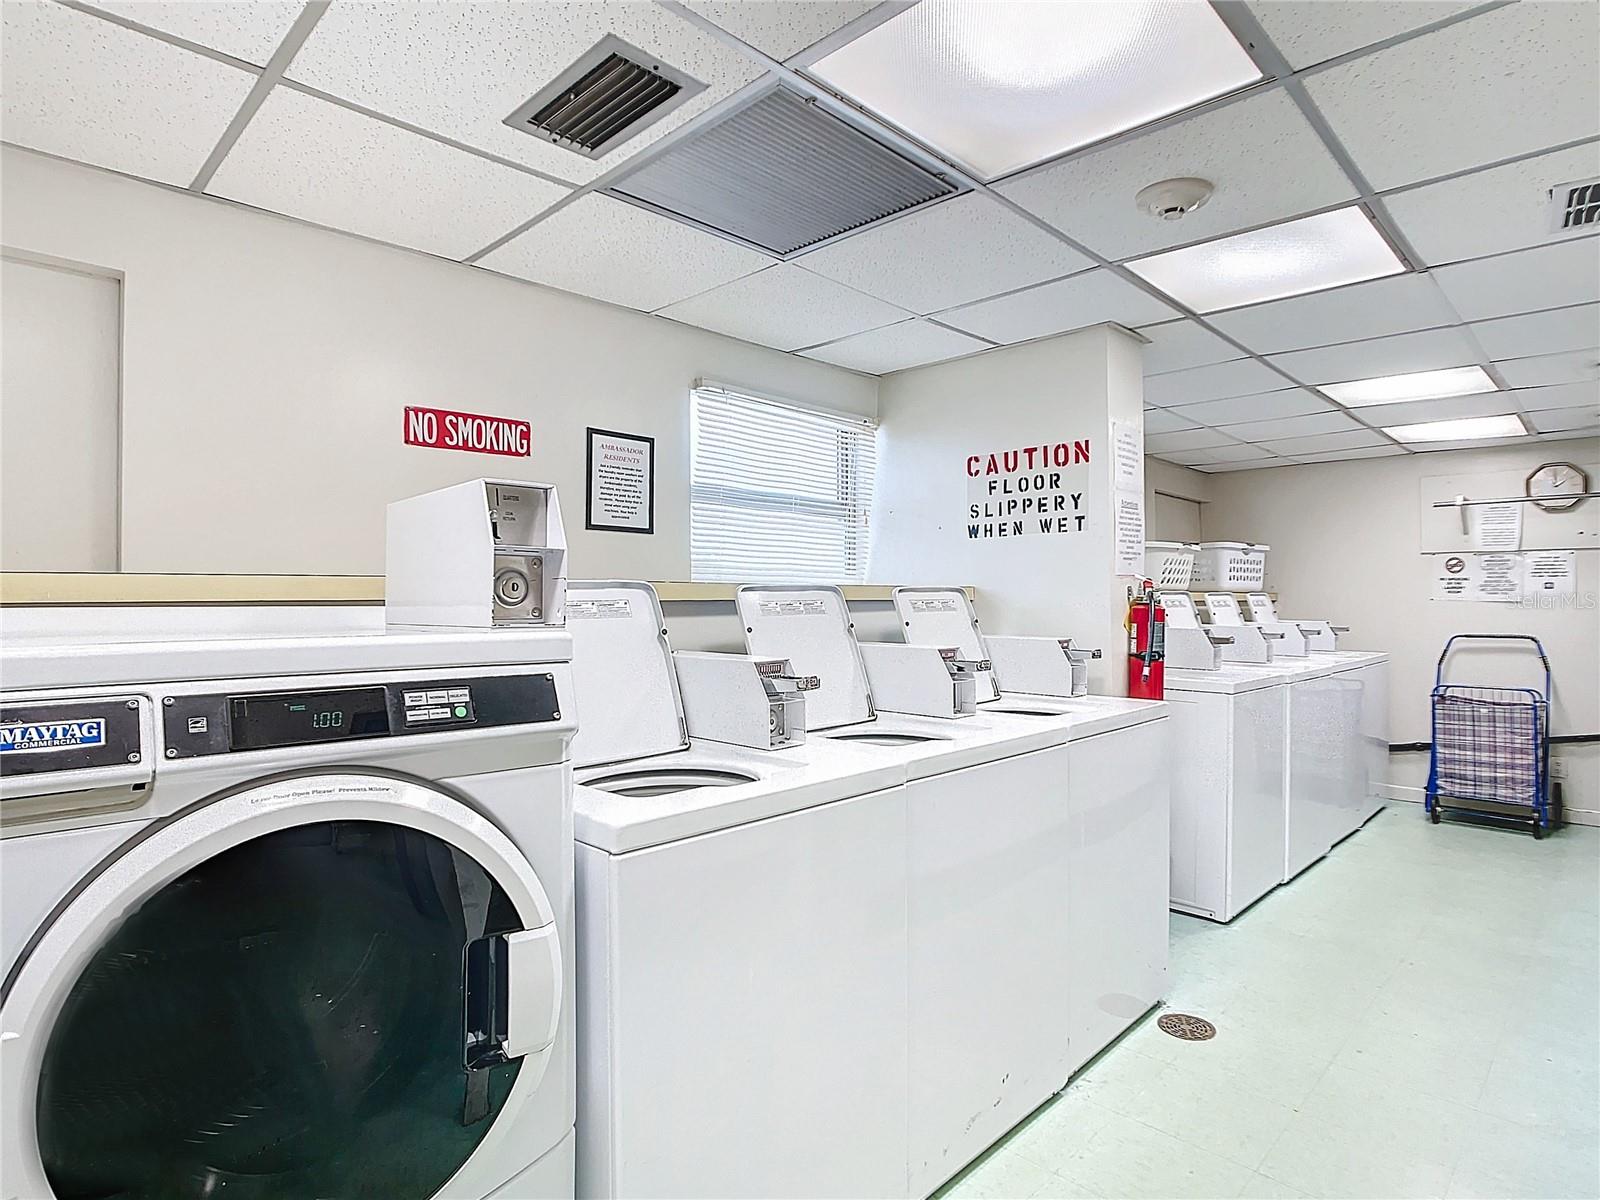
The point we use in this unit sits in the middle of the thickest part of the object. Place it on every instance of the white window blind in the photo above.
(778, 494)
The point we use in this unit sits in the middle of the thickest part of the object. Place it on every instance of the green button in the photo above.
(461, 710)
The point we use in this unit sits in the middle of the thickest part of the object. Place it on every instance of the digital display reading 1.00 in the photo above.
(293, 719)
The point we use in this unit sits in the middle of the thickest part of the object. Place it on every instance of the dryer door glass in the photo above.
(284, 1020)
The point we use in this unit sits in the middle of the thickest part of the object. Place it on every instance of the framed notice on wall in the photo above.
(622, 482)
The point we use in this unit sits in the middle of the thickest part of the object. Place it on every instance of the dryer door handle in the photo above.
(533, 990)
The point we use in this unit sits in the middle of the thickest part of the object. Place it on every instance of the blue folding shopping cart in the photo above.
(1491, 747)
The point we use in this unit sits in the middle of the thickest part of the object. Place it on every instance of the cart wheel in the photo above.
(1538, 830)
(1433, 814)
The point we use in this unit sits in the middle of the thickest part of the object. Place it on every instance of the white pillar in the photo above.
(999, 471)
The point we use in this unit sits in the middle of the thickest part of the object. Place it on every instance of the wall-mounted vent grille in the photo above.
(1575, 206)
(781, 173)
(604, 98)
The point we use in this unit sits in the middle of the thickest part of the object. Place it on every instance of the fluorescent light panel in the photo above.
(1417, 385)
(1003, 84)
(1462, 430)
(1311, 254)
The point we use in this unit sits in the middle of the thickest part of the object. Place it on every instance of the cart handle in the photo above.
(1438, 674)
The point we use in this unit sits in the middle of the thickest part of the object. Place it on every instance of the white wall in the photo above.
(58, 509)
(267, 364)
(1173, 498)
(1061, 389)
(1345, 541)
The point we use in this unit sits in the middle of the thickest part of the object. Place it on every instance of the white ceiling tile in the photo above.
(1384, 451)
(1186, 439)
(1516, 79)
(460, 69)
(1398, 304)
(1310, 425)
(1474, 444)
(1545, 277)
(1292, 402)
(1166, 420)
(1488, 212)
(1307, 32)
(1265, 160)
(1564, 420)
(322, 162)
(897, 347)
(1426, 350)
(1254, 465)
(84, 88)
(950, 253)
(785, 308)
(1573, 366)
(781, 28)
(1218, 381)
(1326, 442)
(1176, 345)
(1091, 298)
(1447, 408)
(1575, 328)
(605, 248)
(247, 29)
(1559, 395)
(1217, 454)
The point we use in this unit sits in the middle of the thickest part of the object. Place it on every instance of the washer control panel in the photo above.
(227, 723)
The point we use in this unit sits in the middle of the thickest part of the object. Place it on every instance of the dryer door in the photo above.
(323, 985)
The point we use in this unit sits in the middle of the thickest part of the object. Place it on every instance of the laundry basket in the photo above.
(1169, 565)
(1230, 567)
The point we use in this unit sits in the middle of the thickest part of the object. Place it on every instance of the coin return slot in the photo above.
(887, 739)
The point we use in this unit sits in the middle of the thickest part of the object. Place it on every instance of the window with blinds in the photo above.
(778, 494)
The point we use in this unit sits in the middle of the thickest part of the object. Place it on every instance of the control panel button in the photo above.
(413, 698)
(460, 695)
(439, 697)
(461, 711)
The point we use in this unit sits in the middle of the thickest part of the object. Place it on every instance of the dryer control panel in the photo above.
(225, 723)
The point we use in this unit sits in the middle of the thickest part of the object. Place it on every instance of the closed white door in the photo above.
(60, 345)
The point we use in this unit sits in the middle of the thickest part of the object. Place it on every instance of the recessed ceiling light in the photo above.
(1307, 255)
(1004, 84)
(1462, 430)
(1417, 385)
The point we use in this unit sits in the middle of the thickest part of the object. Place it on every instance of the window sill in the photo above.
(35, 588)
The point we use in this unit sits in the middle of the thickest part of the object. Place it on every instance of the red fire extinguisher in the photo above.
(1147, 628)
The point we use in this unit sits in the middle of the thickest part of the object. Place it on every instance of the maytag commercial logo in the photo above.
(53, 735)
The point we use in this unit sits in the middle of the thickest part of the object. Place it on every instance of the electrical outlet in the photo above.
(1558, 768)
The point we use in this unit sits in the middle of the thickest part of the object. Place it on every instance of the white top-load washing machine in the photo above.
(742, 937)
(1117, 800)
(284, 915)
(990, 842)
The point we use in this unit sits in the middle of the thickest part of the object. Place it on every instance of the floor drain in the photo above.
(1187, 1028)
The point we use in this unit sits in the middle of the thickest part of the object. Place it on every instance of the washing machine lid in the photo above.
(811, 627)
(934, 616)
(270, 985)
(629, 705)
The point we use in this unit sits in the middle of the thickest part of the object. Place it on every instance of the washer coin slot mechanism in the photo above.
(223, 723)
(743, 700)
(1191, 646)
(1040, 666)
(1316, 635)
(1251, 643)
(929, 681)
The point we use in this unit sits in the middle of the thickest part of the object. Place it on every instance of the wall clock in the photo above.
(1556, 487)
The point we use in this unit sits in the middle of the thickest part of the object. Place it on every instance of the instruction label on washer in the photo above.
(934, 604)
(592, 610)
(793, 608)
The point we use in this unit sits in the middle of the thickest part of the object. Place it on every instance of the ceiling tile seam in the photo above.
(877, 15)
(1481, 258)
(895, 325)
(306, 89)
(160, 35)
(988, 341)
(605, 179)
(1009, 292)
(659, 310)
(305, 21)
(1282, 219)
(1398, 39)
(1494, 164)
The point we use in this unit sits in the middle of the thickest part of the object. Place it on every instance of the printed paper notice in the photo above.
(1130, 532)
(1550, 573)
(1480, 577)
(1497, 527)
(1127, 455)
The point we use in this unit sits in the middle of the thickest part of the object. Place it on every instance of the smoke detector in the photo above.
(1174, 199)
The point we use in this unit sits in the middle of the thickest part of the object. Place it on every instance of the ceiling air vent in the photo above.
(604, 98)
(1575, 207)
(780, 173)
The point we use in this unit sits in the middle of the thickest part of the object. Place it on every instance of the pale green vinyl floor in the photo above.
(1416, 1015)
